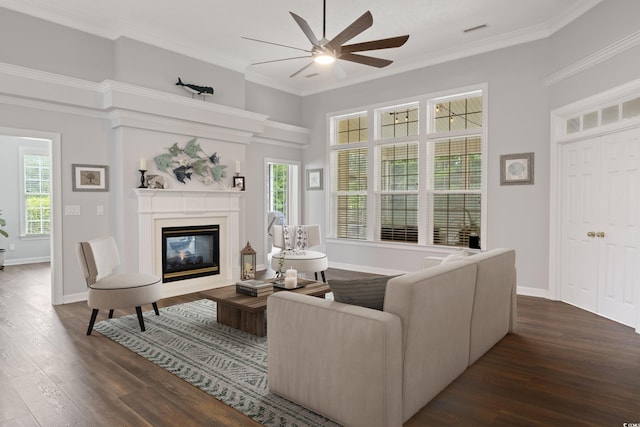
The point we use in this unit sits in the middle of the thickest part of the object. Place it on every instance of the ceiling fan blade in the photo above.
(366, 60)
(375, 44)
(279, 60)
(358, 26)
(302, 69)
(306, 29)
(276, 44)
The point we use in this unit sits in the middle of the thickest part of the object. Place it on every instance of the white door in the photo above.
(579, 256)
(619, 238)
(601, 215)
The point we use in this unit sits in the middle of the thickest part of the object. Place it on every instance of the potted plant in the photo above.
(3, 224)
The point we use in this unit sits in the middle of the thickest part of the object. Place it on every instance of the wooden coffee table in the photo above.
(247, 313)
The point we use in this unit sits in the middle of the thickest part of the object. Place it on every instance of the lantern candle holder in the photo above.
(248, 262)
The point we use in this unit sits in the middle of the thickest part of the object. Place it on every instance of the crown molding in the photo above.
(622, 45)
(135, 106)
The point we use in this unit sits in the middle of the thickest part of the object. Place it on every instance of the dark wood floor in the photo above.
(564, 366)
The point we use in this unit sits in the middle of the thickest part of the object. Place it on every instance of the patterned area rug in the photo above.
(228, 364)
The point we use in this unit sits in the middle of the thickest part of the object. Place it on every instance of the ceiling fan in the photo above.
(326, 51)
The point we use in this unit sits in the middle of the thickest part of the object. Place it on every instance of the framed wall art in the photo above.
(90, 177)
(516, 169)
(238, 183)
(314, 179)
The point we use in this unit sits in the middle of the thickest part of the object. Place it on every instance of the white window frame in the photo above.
(426, 134)
(22, 152)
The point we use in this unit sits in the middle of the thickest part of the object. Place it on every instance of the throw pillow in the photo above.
(366, 292)
(456, 256)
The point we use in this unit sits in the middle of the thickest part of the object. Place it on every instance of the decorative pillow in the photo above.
(295, 238)
(366, 292)
(462, 253)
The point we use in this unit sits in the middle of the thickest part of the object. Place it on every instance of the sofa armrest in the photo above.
(431, 261)
(341, 361)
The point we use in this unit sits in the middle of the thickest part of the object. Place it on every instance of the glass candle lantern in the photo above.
(248, 262)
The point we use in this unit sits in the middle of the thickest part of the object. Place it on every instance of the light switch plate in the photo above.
(72, 210)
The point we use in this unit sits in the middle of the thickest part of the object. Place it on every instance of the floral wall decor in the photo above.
(191, 161)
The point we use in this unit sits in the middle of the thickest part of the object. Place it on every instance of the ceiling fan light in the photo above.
(324, 59)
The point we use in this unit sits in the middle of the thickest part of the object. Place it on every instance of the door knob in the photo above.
(591, 234)
(600, 234)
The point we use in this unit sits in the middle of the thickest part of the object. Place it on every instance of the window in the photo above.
(36, 207)
(278, 188)
(349, 183)
(406, 182)
(398, 192)
(456, 190)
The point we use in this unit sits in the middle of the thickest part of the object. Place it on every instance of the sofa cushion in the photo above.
(366, 292)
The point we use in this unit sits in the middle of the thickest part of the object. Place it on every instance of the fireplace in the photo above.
(190, 251)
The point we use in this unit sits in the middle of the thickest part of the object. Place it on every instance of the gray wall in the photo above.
(35, 43)
(606, 24)
(148, 66)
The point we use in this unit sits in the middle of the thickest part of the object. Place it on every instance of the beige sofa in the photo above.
(365, 367)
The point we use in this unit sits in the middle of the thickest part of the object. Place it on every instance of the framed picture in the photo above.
(314, 179)
(516, 169)
(90, 177)
(238, 183)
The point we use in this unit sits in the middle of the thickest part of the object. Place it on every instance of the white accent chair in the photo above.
(305, 261)
(107, 290)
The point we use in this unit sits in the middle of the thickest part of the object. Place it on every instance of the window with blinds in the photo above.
(417, 178)
(456, 190)
(350, 176)
(37, 204)
(398, 178)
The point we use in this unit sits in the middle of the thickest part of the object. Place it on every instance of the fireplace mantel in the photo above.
(170, 207)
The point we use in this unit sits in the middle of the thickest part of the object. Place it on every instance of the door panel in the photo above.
(580, 186)
(619, 219)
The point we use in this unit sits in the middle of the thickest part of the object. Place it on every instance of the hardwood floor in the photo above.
(564, 366)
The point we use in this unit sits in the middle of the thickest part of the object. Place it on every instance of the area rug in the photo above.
(228, 364)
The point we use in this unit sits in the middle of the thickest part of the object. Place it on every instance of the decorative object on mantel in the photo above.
(248, 262)
(187, 162)
(142, 169)
(196, 89)
(157, 182)
(238, 183)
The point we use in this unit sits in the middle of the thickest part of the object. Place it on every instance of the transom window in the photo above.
(406, 182)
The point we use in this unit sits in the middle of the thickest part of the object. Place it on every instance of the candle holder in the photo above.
(142, 184)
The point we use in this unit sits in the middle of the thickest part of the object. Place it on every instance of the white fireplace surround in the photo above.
(171, 208)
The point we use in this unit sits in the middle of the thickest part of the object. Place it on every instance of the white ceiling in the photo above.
(211, 30)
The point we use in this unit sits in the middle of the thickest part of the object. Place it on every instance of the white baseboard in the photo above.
(533, 292)
(27, 260)
(69, 299)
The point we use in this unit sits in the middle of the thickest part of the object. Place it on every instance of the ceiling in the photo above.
(212, 30)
